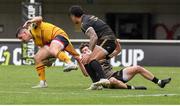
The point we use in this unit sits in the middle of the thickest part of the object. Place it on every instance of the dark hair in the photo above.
(82, 46)
(76, 10)
(19, 30)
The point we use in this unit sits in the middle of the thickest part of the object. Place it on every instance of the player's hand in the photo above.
(85, 58)
(27, 23)
(78, 58)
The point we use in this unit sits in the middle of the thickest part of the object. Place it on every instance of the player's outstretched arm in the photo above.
(82, 67)
(93, 37)
(36, 20)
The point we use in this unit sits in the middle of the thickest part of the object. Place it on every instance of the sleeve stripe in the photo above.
(88, 29)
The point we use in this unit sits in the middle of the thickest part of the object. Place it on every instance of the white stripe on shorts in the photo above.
(60, 43)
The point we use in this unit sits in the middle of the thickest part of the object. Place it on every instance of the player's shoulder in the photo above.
(89, 18)
(46, 25)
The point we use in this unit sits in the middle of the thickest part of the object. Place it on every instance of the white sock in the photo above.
(42, 82)
(159, 82)
(132, 87)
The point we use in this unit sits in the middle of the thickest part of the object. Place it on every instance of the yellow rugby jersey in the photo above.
(44, 33)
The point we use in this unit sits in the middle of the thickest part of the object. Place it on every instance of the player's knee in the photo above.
(36, 59)
(138, 68)
(113, 80)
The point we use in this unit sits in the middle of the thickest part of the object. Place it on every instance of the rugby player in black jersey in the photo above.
(101, 36)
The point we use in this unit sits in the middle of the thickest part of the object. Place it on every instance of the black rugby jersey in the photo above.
(102, 30)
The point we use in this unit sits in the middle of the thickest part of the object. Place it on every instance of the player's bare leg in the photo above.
(132, 71)
(56, 48)
(117, 84)
(42, 54)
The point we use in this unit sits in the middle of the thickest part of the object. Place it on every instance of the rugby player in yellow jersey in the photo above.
(53, 41)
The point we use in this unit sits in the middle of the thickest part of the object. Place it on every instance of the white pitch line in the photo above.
(73, 93)
(13, 92)
(150, 95)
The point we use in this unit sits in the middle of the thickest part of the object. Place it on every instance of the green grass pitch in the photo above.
(69, 88)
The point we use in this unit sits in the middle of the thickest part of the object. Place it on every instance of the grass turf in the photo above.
(69, 88)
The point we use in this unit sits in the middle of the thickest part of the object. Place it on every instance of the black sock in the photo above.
(129, 87)
(91, 73)
(136, 87)
(96, 66)
(155, 80)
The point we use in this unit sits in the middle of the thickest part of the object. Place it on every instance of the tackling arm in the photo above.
(82, 66)
(93, 37)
